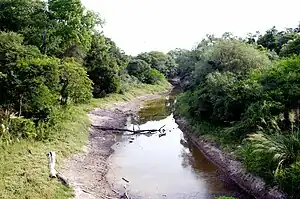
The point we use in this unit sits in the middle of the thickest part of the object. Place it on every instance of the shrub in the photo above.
(153, 76)
(22, 128)
(139, 68)
(75, 84)
(270, 155)
(127, 81)
(289, 180)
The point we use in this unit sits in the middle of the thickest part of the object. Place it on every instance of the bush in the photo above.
(75, 84)
(289, 180)
(270, 155)
(153, 77)
(127, 81)
(35, 86)
(22, 128)
(139, 69)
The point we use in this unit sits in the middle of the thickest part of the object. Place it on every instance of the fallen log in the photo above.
(128, 130)
(53, 172)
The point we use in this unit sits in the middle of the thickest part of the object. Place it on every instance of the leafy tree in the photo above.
(36, 84)
(142, 70)
(31, 83)
(274, 40)
(73, 25)
(75, 84)
(58, 27)
(105, 64)
(159, 61)
(292, 47)
(269, 39)
(154, 76)
(11, 51)
(139, 68)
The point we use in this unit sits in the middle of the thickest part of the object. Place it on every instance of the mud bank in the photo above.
(87, 171)
(252, 184)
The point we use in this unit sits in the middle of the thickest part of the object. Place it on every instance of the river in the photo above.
(169, 166)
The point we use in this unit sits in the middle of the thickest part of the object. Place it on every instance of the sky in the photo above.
(145, 25)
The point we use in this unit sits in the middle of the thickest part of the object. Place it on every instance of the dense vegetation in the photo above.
(244, 94)
(52, 56)
(53, 62)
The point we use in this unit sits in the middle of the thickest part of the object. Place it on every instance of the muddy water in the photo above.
(167, 166)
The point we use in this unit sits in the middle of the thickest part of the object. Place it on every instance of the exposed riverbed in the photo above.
(164, 167)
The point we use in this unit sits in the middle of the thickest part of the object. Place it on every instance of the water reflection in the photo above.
(163, 167)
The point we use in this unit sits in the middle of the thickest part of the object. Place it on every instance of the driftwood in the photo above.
(128, 130)
(53, 172)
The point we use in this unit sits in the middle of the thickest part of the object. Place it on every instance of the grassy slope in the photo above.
(24, 165)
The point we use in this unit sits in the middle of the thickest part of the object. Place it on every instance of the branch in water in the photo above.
(128, 130)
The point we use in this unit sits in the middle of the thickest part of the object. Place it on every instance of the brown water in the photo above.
(164, 167)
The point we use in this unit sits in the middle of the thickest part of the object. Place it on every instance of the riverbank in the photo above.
(87, 171)
(24, 165)
(234, 169)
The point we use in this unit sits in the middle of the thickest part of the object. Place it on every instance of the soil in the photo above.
(86, 172)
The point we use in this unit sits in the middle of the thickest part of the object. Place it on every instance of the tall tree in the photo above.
(105, 63)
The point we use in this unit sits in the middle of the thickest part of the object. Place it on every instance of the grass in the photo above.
(24, 170)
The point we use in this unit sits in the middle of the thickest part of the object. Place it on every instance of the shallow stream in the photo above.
(165, 166)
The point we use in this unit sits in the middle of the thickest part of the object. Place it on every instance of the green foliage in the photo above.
(139, 68)
(22, 128)
(275, 158)
(127, 81)
(274, 40)
(56, 27)
(292, 47)
(153, 76)
(289, 180)
(233, 89)
(36, 87)
(164, 63)
(24, 165)
(105, 64)
(75, 84)
(221, 92)
(281, 82)
(143, 72)
(52, 59)
(230, 55)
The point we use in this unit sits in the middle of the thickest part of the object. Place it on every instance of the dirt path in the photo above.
(87, 171)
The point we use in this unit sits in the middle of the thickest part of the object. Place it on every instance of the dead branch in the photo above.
(125, 180)
(53, 172)
(128, 130)
(52, 164)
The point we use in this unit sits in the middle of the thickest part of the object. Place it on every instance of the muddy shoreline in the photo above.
(87, 171)
(250, 183)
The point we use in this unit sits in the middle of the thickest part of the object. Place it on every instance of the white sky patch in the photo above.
(145, 25)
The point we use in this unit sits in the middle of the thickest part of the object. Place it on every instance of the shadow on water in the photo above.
(165, 167)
